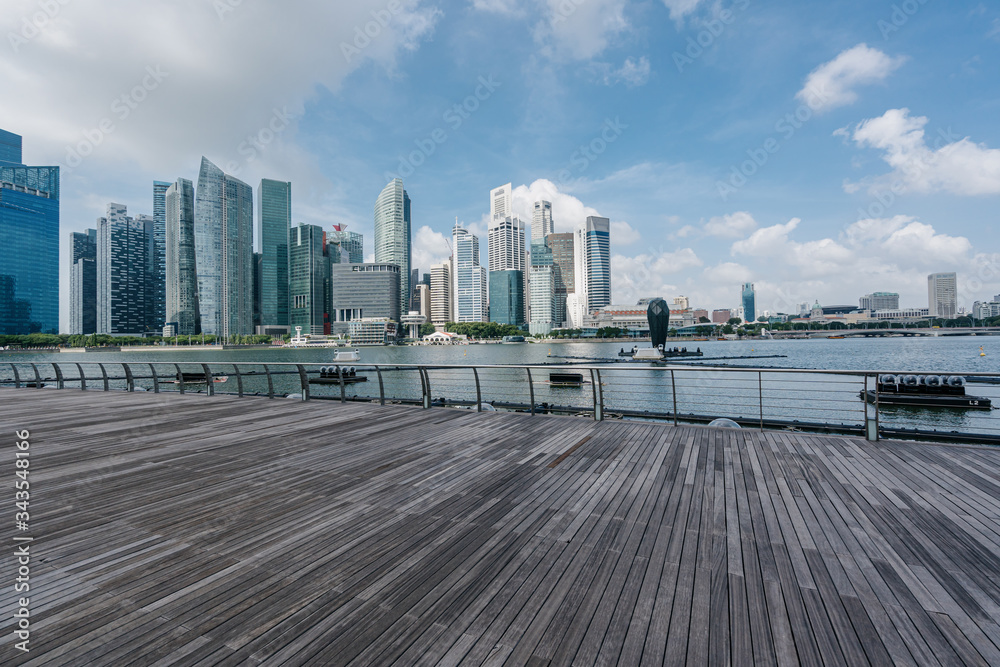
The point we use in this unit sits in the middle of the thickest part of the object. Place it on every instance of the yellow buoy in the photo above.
(981, 353)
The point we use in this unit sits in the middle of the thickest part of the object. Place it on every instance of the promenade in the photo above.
(193, 530)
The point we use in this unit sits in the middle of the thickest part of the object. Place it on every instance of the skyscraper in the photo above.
(122, 246)
(541, 221)
(507, 297)
(593, 264)
(501, 203)
(350, 243)
(942, 295)
(156, 258)
(392, 231)
(364, 291)
(223, 228)
(274, 220)
(470, 277)
(880, 301)
(561, 246)
(308, 276)
(181, 267)
(749, 298)
(29, 243)
(441, 297)
(83, 282)
(543, 292)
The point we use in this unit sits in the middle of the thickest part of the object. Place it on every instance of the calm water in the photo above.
(802, 396)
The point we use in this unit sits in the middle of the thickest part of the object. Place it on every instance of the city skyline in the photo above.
(635, 110)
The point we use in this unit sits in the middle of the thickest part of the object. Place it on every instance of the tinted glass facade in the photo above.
(181, 269)
(507, 297)
(29, 243)
(392, 231)
(749, 303)
(309, 273)
(121, 273)
(274, 199)
(83, 282)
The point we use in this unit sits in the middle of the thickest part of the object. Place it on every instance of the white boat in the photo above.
(346, 356)
(309, 340)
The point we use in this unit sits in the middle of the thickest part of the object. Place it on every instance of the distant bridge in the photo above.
(881, 333)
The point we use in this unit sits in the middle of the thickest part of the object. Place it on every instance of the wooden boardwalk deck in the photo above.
(222, 531)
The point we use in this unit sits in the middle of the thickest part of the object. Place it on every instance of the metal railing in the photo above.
(823, 401)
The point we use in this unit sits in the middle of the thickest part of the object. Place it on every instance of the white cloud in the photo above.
(960, 167)
(832, 84)
(568, 212)
(622, 234)
(428, 247)
(580, 30)
(737, 225)
(681, 8)
(507, 7)
(643, 275)
(632, 73)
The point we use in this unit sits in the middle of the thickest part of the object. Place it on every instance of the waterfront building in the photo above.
(506, 254)
(424, 301)
(563, 259)
(749, 298)
(308, 279)
(274, 224)
(29, 243)
(121, 273)
(541, 221)
(470, 277)
(901, 314)
(542, 291)
(372, 331)
(257, 257)
(593, 266)
(507, 297)
(83, 282)
(441, 294)
(721, 315)
(699, 313)
(879, 301)
(392, 232)
(982, 311)
(156, 258)
(223, 213)
(360, 291)
(942, 295)
(181, 270)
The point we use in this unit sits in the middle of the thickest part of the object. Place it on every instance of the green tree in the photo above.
(703, 320)
(734, 321)
(426, 329)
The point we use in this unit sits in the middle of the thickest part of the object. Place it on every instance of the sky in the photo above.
(821, 151)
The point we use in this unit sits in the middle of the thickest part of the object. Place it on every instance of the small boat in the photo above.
(336, 375)
(196, 378)
(513, 339)
(346, 356)
(566, 379)
(924, 391)
(835, 337)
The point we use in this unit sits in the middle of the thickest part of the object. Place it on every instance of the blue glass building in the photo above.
(29, 243)
(507, 297)
(749, 306)
(274, 222)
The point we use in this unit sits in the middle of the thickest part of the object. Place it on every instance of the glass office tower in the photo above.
(29, 243)
(392, 231)
(182, 309)
(274, 220)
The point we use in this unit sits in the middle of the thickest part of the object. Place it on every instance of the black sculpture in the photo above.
(658, 315)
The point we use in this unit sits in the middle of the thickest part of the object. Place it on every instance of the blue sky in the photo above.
(819, 150)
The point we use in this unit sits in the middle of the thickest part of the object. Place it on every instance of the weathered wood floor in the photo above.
(224, 531)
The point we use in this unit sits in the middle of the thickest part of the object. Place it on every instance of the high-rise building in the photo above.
(942, 295)
(470, 277)
(543, 302)
(879, 301)
(749, 298)
(424, 301)
(541, 221)
(593, 265)
(223, 215)
(507, 297)
(441, 294)
(501, 204)
(182, 310)
(351, 244)
(156, 258)
(121, 273)
(308, 276)
(363, 291)
(392, 231)
(721, 315)
(561, 246)
(83, 282)
(274, 222)
(29, 243)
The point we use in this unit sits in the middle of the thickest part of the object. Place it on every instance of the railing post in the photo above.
(531, 389)
(381, 387)
(426, 382)
(673, 389)
(340, 374)
(180, 378)
(871, 425)
(59, 376)
(595, 381)
(17, 376)
(83, 378)
(209, 380)
(104, 375)
(239, 380)
(270, 385)
(156, 379)
(479, 393)
(38, 378)
(760, 399)
(303, 381)
(129, 380)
